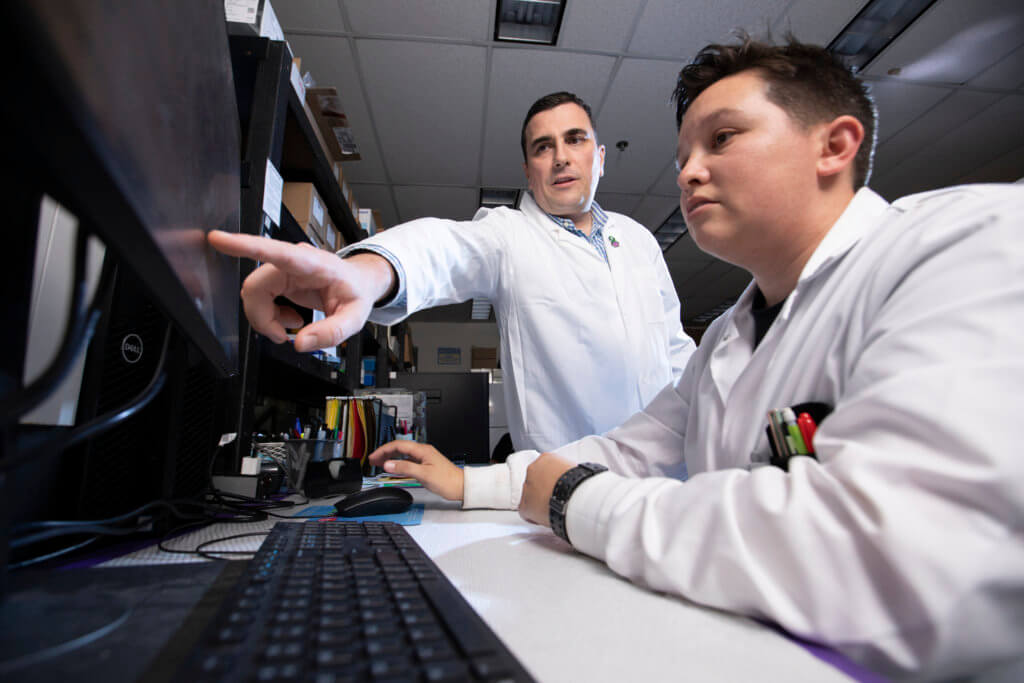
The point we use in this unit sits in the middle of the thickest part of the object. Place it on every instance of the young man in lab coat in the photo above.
(899, 542)
(589, 319)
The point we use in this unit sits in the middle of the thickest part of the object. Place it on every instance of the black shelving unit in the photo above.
(275, 127)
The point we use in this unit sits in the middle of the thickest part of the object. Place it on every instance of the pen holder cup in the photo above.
(318, 467)
(404, 437)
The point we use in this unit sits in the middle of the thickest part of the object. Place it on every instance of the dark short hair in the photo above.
(551, 101)
(807, 81)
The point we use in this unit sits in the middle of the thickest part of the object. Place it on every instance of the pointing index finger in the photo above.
(282, 254)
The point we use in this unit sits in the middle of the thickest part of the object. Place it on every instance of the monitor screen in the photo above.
(457, 411)
(129, 119)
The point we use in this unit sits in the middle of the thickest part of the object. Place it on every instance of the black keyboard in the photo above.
(337, 601)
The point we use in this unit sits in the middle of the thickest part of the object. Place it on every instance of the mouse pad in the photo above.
(410, 517)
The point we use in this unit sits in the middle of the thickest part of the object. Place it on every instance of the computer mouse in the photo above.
(381, 500)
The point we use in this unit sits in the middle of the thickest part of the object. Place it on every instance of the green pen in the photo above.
(789, 417)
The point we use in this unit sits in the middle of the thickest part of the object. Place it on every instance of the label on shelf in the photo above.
(297, 84)
(270, 27)
(241, 11)
(273, 186)
(318, 211)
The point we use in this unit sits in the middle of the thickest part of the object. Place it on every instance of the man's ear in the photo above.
(600, 150)
(841, 139)
(526, 172)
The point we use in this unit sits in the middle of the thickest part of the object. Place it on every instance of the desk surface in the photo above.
(567, 617)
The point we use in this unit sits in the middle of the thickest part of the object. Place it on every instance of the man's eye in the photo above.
(576, 139)
(721, 137)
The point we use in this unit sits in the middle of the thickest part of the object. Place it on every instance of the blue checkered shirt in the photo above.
(596, 237)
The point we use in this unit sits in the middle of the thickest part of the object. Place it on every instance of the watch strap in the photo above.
(563, 490)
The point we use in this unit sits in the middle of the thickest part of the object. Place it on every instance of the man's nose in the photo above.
(693, 172)
(561, 158)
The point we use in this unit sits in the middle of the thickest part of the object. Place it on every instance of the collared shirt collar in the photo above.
(596, 238)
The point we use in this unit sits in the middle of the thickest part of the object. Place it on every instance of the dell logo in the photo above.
(131, 348)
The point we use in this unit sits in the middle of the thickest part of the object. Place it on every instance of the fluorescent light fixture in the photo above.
(669, 232)
(499, 196)
(874, 28)
(481, 309)
(528, 21)
(712, 313)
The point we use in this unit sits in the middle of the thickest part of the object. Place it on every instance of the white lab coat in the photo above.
(902, 545)
(585, 344)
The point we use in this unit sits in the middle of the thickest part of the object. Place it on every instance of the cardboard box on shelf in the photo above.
(307, 209)
(330, 234)
(483, 357)
(377, 220)
(339, 175)
(333, 123)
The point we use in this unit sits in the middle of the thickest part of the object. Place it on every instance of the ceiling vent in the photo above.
(481, 309)
(529, 21)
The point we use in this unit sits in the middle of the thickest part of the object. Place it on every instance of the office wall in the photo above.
(429, 337)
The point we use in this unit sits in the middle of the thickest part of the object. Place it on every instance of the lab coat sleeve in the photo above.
(626, 449)
(440, 261)
(903, 546)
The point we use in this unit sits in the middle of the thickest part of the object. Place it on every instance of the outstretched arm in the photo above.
(344, 289)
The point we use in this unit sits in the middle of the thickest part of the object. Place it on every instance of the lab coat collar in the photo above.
(858, 219)
(732, 353)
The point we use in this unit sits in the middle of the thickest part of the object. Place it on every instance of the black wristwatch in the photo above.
(564, 487)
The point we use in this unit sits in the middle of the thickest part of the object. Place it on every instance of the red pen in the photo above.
(807, 428)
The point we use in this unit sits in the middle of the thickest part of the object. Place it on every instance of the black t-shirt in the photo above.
(764, 315)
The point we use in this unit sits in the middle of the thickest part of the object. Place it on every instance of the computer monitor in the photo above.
(457, 414)
(127, 117)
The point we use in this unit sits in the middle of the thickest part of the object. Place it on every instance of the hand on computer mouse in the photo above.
(425, 464)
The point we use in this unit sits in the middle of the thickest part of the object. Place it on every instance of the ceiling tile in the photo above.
(954, 41)
(976, 143)
(1006, 73)
(462, 19)
(376, 196)
(900, 103)
(457, 203)
(309, 15)
(619, 203)
(925, 132)
(665, 185)
(518, 78)
(586, 27)
(817, 21)
(427, 104)
(1007, 168)
(652, 211)
(679, 28)
(637, 110)
(329, 60)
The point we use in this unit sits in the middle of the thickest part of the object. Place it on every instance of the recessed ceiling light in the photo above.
(499, 196)
(669, 232)
(874, 28)
(528, 21)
